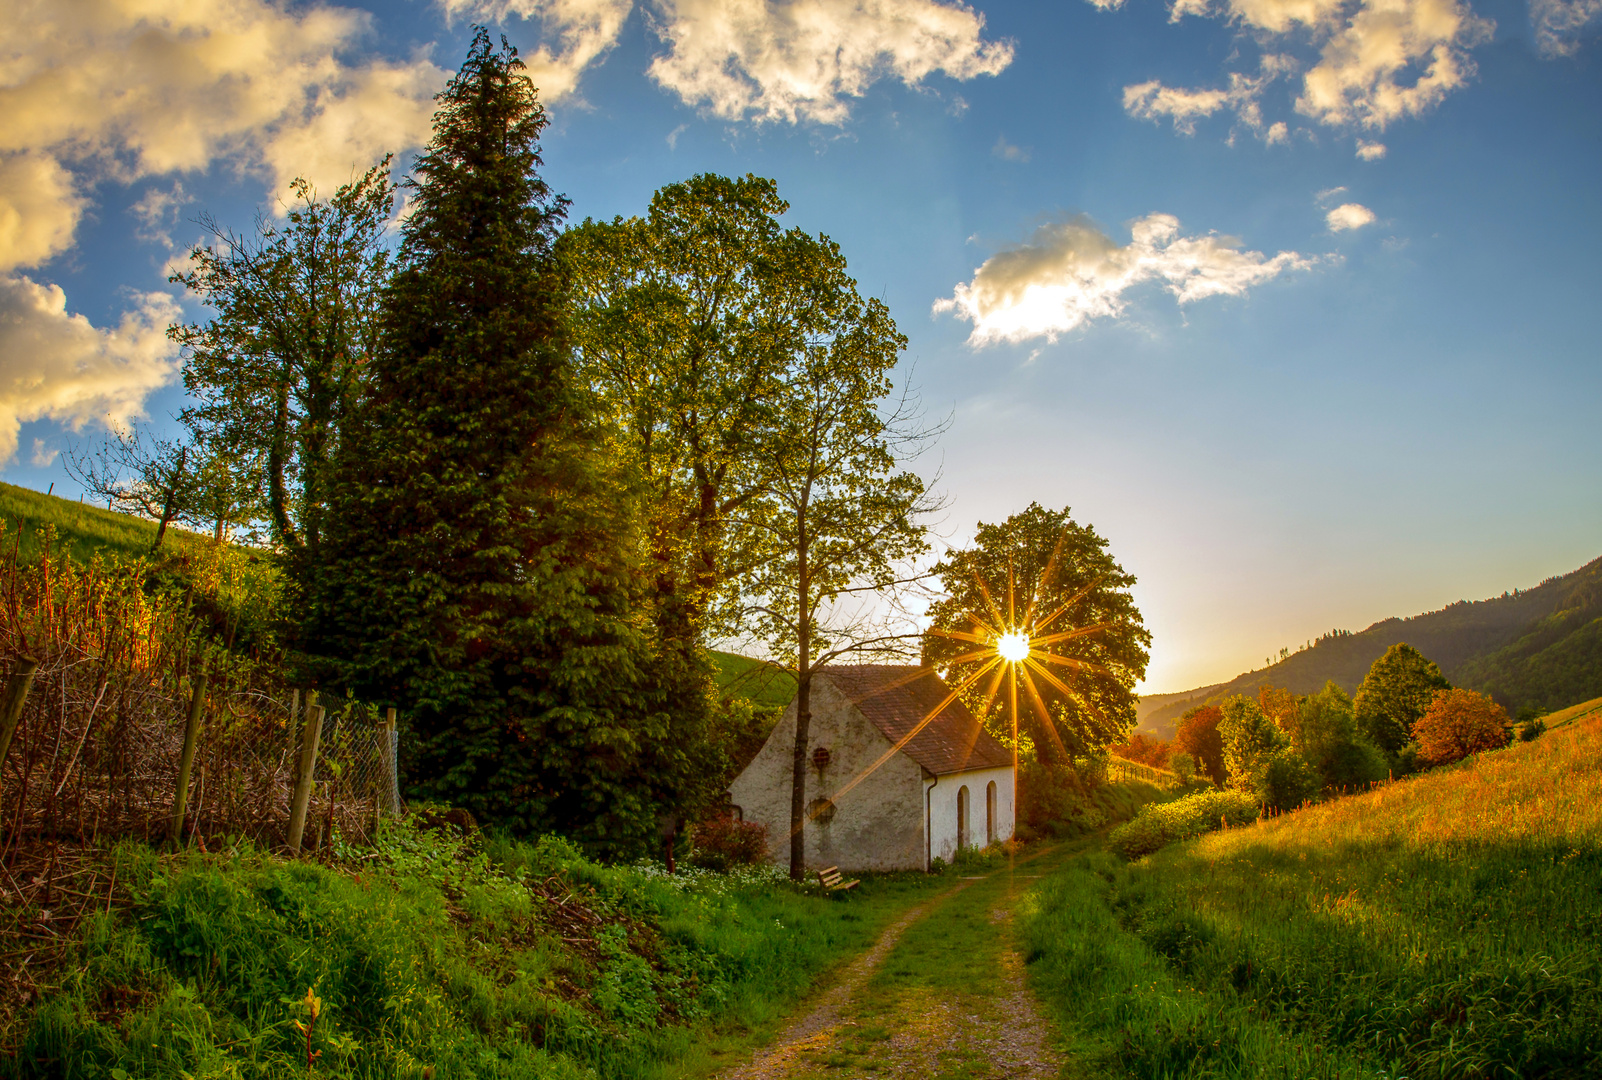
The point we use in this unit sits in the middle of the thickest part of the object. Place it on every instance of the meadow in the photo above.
(434, 956)
(1445, 926)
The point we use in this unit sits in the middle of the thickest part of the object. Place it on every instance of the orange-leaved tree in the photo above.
(1459, 723)
(1198, 736)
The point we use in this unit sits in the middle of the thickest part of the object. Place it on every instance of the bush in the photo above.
(1182, 765)
(1288, 781)
(1160, 824)
(725, 842)
(1459, 723)
(1531, 730)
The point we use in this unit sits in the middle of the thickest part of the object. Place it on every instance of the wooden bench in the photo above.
(830, 877)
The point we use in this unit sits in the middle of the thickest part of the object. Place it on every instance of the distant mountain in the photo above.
(1540, 646)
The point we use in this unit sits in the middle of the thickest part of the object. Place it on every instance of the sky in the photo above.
(1295, 301)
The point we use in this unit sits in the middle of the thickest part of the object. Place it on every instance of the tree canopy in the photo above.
(1042, 574)
(481, 569)
(1394, 694)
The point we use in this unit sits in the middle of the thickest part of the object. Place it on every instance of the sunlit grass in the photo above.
(1445, 926)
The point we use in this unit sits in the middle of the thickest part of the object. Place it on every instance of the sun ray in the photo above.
(984, 591)
(1043, 582)
(1068, 661)
(1070, 602)
(1045, 714)
(1036, 665)
(962, 635)
(1067, 635)
(908, 737)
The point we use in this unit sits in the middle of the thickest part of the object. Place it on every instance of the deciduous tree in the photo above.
(1459, 723)
(1394, 694)
(276, 372)
(1071, 598)
(839, 518)
(1197, 734)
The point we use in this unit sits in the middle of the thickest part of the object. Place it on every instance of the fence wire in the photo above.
(96, 751)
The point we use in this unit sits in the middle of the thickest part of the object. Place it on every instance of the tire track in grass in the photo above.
(941, 994)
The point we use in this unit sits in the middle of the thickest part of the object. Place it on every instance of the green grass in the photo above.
(764, 683)
(520, 961)
(1448, 926)
(1573, 713)
(82, 528)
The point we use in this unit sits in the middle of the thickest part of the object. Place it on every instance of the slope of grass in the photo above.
(84, 529)
(1574, 713)
(432, 955)
(766, 684)
(1448, 926)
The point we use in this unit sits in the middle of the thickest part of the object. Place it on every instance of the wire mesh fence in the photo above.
(96, 749)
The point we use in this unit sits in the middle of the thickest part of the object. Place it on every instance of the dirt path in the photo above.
(940, 995)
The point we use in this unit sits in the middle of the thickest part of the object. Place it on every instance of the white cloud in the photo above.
(1006, 151)
(125, 89)
(1070, 272)
(39, 209)
(803, 60)
(156, 211)
(43, 456)
(1153, 100)
(1559, 22)
(1349, 216)
(1370, 151)
(1378, 61)
(583, 30)
(57, 366)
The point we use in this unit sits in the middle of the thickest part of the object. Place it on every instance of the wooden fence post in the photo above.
(308, 767)
(294, 727)
(384, 795)
(16, 696)
(186, 761)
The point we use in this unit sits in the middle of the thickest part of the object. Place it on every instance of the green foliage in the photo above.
(1072, 800)
(1250, 741)
(1394, 694)
(1045, 575)
(1444, 928)
(481, 571)
(1289, 781)
(1183, 765)
(513, 960)
(275, 375)
(1162, 823)
(1332, 744)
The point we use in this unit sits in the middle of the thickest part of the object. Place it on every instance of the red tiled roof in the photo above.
(898, 698)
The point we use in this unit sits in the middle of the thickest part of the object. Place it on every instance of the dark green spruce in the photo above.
(482, 557)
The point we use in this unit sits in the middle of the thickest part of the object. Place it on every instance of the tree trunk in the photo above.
(803, 712)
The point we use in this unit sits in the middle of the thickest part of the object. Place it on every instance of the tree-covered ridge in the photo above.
(1540, 647)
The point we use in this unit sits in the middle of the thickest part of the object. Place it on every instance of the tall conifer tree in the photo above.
(481, 558)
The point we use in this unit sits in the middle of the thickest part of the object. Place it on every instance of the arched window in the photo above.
(990, 813)
(962, 818)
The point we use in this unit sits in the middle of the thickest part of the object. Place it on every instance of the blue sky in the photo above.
(1296, 301)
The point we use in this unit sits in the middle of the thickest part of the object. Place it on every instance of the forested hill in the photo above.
(1540, 646)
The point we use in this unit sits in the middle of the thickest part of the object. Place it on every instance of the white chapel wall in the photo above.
(942, 796)
(877, 825)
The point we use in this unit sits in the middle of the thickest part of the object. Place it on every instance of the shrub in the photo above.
(1182, 765)
(1288, 781)
(1251, 742)
(1459, 723)
(1159, 824)
(1531, 730)
(725, 842)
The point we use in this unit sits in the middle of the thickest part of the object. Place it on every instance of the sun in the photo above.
(1013, 647)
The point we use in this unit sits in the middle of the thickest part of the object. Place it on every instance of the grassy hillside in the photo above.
(85, 528)
(1541, 646)
(1447, 926)
(429, 958)
(762, 682)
